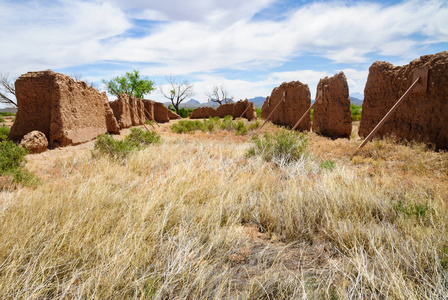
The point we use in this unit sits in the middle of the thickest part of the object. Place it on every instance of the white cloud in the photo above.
(68, 33)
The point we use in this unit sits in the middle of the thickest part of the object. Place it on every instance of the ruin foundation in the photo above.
(235, 110)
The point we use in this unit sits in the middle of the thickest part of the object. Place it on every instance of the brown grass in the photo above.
(194, 218)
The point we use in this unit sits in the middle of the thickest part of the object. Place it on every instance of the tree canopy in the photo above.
(131, 83)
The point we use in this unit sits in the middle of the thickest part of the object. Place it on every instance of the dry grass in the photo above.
(193, 218)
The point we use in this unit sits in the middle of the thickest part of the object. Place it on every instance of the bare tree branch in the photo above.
(179, 91)
(7, 87)
(220, 95)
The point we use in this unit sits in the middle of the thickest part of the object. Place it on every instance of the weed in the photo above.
(254, 125)
(283, 145)
(186, 126)
(227, 123)
(327, 165)
(2, 120)
(4, 133)
(356, 112)
(413, 209)
(240, 128)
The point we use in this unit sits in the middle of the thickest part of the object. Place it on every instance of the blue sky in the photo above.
(248, 46)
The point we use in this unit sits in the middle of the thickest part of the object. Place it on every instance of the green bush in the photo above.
(12, 157)
(282, 146)
(240, 128)
(4, 133)
(186, 126)
(356, 112)
(227, 123)
(7, 114)
(254, 125)
(258, 111)
(138, 139)
(327, 165)
(2, 120)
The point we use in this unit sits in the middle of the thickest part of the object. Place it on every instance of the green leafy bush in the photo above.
(227, 123)
(282, 146)
(186, 126)
(12, 157)
(254, 125)
(138, 139)
(7, 114)
(4, 133)
(2, 120)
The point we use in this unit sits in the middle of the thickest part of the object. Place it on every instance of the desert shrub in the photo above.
(240, 128)
(139, 137)
(12, 157)
(4, 133)
(282, 146)
(227, 123)
(106, 144)
(254, 125)
(413, 209)
(186, 126)
(2, 120)
(258, 111)
(356, 112)
(210, 124)
(185, 112)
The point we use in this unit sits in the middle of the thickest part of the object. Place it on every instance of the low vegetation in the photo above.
(183, 112)
(4, 133)
(213, 124)
(121, 149)
(195, 218)
(12, 161)
(356, 112)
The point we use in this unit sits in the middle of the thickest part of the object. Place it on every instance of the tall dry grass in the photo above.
(195, 219)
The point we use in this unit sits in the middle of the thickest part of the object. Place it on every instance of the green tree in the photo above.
(131, 84)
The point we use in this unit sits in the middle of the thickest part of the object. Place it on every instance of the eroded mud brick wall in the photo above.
(66, 111)
(422, 117)
(230, 109)
(122, 111)
(332, 116)
(296, 103)
(161, 113)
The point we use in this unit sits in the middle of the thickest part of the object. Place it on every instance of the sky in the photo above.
(249, 47)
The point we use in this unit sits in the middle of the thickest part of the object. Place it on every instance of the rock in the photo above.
(230, 109)
(66, 111)
(35, 142)
(296, 103)
(332, 116)
(422, 117)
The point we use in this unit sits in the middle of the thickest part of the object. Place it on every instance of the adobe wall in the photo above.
(122, 111)
(173, 116)
(148, 106)
(161, 113)
(332, 116)
(66, 111)
(422, 117)
(231, 109)
(296, 103)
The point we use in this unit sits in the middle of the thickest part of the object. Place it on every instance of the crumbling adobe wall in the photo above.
(230, 109)
(122, 111)
(111, 121)
(66, 111)
(161, 113)
(332, 116)
(422, 117)
(172, 115)
(203, 112)
(148, 106)
(292, 108)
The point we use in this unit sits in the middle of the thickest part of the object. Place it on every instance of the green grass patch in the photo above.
(327, 165)
(213, 124)
(419, 211)
(12, 161)
(356, 112)
(282, 146)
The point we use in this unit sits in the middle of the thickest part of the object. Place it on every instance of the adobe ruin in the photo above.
(296, 102)
(332, 116)
(423, 116)
(235, 110)
(68, 112)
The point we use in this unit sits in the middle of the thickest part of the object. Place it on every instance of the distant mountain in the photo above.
(356, 101)
(357, 95)
(9, 110)
(258, 101)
